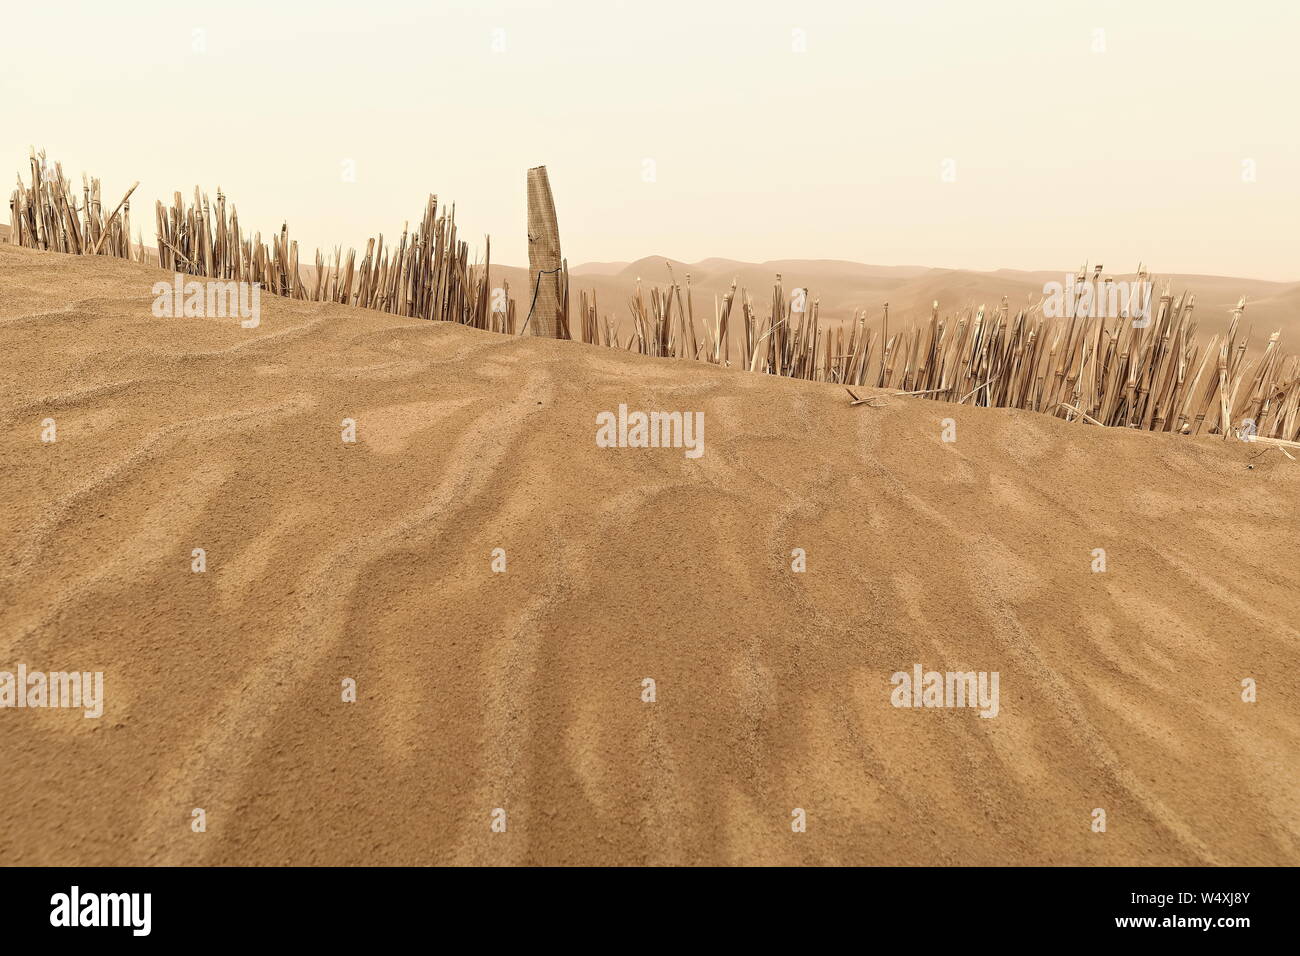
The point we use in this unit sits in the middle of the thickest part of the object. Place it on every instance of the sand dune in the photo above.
(522, 690)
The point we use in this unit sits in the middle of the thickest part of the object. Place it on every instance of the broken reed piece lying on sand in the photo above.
(874, 401)
(1153, 375)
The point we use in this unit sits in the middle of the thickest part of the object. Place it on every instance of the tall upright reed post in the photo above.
(544, 261)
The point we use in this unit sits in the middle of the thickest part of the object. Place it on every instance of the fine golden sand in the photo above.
(523, 690)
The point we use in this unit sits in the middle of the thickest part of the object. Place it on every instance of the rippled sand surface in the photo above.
(523, 690)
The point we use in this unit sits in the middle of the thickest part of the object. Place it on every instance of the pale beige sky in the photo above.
(1170, 136)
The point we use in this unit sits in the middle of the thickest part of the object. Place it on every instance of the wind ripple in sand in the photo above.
(522, 690)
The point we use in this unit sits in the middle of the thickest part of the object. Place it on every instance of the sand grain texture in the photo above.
(522, 690)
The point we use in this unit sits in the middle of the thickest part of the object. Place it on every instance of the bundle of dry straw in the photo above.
(46, 215)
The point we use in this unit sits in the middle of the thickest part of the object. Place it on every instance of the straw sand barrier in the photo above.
(1106, 366)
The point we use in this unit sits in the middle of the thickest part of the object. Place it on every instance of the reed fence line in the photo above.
(45, 214)
(1155, 374)
(426, 274)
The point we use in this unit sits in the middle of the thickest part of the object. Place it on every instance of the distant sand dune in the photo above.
(521, 690)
